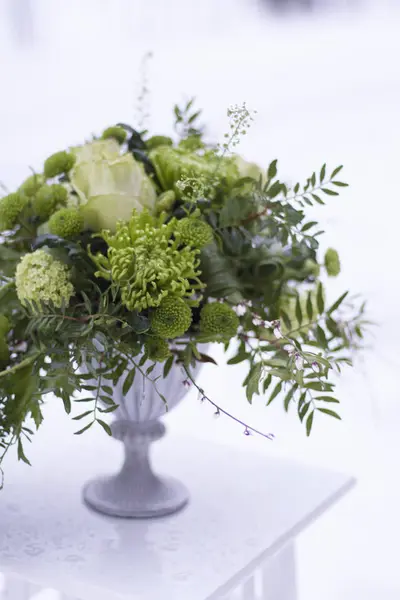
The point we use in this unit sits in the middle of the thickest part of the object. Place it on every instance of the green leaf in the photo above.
(336, 171)
(299, 313)
(308, 226)
(107, 389)
(267, 383)
(84, 428)
(313, 179)
(109, 409)
(277, 390)
(332, 413)
(329, 192)
(105, 426)
(321, 338)
(296, 188)
(318, 199)
(327, 399)
(320, 298)
(322, 173)
(150, 369)
(288, 397)
(21, 453)
(302, 399)
(168, 365)
(238, 358)
(85, 414)
(253, 381)
(310, 308)
(309, 423)
(340, 183)
(285, 318)
(128, 381)
(272, 169)
(336, 304)
(303, 411)
(319, 387)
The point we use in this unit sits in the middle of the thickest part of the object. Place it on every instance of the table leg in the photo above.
(279, 576)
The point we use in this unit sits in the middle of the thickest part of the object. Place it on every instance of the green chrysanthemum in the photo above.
(332, 262)
(218, 321)
(11, 207)
(195, 232)
(145, 259)
(157, 349)
(48, 199)
(172, 318)
(4, 326)
(32, 185)
(41, 278)
(66, 222)
(158, 140)
(58, 164)
(118, 133)
(165, 202)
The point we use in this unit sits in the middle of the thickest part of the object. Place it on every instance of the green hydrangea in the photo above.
(218, 321)
(41, 278)
(48, 199)
(165, 202)
(172, 318)
(11, 207)
(32, 185)
(332, 262)
(66, 222)
(5, 326)
(147, 262)
(58, 164)
(158, 349)
(195, 232)
(118, 133)
(158, 140)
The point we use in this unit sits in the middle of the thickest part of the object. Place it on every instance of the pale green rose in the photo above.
(109, 185)
(248, 169)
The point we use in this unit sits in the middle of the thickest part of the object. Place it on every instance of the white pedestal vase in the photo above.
(136, 491)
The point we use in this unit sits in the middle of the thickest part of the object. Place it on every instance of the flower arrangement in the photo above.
(133, 247)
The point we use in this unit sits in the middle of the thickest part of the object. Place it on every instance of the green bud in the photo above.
(165, 202)
(172, 318)
(31, 185)
(195, 232)
(48, 199)
(158, 140)
(66, 222)
(332, 262)
(11, 206)
(157, 349)
(218, 321)
(58, 164)
(116, 132)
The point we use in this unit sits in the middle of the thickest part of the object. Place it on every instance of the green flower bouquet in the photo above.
(133, 248)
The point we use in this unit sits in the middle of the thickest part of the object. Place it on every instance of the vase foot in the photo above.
(112, 496)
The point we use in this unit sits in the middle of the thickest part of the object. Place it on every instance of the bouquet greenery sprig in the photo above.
(134, 247)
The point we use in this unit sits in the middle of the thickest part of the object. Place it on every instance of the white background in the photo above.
(327, 89)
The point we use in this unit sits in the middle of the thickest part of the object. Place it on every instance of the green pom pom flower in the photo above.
(332, 262)
(218, 321)
(48, 199)
(172, 318)
(118, 133)
(165, 202)
(195, 232)
(11, 207)
(158, 140)
(41, 278)
(5, 326)
(157, 349)
(58, 164)
(66, 222)
(147, 262)
(32, 185)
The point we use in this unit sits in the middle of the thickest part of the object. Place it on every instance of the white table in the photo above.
(234, 540)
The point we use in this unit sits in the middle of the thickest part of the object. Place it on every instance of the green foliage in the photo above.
(217, 249)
